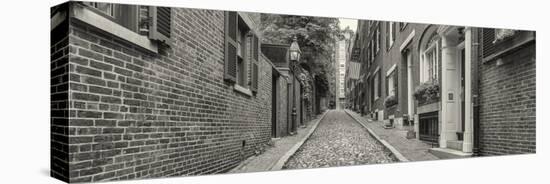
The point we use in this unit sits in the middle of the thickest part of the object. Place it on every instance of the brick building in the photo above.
(144, 92)
(461, 88)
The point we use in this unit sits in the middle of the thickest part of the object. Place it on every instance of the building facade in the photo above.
(442, 83)
(186, 92)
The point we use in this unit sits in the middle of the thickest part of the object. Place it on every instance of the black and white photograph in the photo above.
(246, 92)
(141, 92)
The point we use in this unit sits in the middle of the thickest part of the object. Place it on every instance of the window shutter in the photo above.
(395, 81)
(255, 77)
(161, 23)
(230, 57)
(255, 57)
(379, 83)
(488, 38)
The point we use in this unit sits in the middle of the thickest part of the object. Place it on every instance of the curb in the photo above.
(279, 164)
(392, 149)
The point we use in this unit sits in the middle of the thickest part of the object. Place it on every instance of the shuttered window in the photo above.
(151, 21)
(230, 64)
(488, 41)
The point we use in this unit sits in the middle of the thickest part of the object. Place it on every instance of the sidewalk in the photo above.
(281, 148)
(412, 149)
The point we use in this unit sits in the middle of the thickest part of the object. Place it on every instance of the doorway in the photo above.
(462, 60)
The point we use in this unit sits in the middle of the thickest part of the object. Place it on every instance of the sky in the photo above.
(352, 23)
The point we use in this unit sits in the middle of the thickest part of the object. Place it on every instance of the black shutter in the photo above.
(255, 77)
(488, 38)
(161, 23)
(230, 64)
(395, 81)
(379, 84)
(255, 56)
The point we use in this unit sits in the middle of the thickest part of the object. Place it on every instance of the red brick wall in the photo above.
(508, 104)
(139, 115)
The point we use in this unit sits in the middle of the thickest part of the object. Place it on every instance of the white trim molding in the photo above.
(392, 68)
(407, 41)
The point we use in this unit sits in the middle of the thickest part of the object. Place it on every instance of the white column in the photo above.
(443, 128)
(409, 85)
(467, 144)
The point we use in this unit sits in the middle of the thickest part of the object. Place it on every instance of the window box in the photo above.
(390, 101)
(427, 93)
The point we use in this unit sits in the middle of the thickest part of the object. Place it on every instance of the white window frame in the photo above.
(429, 69)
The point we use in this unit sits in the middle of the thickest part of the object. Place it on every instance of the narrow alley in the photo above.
(339, 141)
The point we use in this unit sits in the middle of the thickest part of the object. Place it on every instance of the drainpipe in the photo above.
(476, 53)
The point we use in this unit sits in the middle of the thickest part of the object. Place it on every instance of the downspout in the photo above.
(476, 54)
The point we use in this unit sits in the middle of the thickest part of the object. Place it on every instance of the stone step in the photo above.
(456, 145)
(446, 153)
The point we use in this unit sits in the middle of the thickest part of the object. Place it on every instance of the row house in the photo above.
(466, 90)
(145, 91)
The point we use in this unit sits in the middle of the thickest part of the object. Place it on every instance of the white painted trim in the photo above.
(392, 68)
(243, 90)
(407, 41)
(57, 19)
(88, 16)
(249, 23)
(376, 70)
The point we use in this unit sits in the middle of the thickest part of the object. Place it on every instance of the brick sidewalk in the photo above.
(412, 149)
(267, 160)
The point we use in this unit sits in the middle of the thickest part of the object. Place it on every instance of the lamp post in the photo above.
(295, 54)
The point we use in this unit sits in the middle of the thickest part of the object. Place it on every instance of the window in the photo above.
(429, 65)
(105, 8)
(376, 85)
(241, 53)
(390, 34)
(239, 63)
(151, 22)
(391, 79)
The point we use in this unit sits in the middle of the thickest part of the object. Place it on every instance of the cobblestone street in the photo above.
(339, 141)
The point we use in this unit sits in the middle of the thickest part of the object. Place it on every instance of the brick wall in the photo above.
(139, 115)
(508, 104)
(59, 109)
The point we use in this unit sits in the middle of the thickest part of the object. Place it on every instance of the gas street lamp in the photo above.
(295, 54)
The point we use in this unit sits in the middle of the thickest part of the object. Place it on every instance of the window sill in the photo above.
(92, 18)
(242, 90)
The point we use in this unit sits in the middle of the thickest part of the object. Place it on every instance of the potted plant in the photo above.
(426, 92)
(390, 101)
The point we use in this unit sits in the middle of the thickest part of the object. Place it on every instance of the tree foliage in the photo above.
(317, 38)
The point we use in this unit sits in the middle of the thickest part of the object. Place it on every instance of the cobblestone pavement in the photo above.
(339, 141)
(412, 149)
